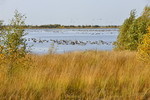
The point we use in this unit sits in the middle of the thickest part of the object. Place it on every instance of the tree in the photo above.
(132, 31)
(138, 29)
(122, 39)
(13, 45)
(12, 36)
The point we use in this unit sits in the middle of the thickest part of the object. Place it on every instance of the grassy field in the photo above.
(89, 75)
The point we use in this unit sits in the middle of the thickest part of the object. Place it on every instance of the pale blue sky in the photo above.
(72, 12)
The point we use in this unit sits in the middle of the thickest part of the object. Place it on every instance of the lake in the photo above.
(66, 40)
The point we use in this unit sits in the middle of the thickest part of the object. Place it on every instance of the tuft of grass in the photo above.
(88, 75)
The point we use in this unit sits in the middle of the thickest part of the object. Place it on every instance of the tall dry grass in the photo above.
(89, 75)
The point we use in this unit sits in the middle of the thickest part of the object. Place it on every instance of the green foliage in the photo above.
(123, 36)
(12, 37)
(132, 31)
(12, 42)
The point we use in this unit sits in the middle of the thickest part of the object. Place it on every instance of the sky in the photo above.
(72, 12)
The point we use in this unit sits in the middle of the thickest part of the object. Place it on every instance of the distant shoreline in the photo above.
(57, 26)
(69, 27)
(75, 28)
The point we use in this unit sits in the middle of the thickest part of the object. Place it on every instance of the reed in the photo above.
(87, 75)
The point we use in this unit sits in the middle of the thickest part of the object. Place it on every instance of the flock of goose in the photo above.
(69, 42)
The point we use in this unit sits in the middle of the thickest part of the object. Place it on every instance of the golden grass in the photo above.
(89, 75)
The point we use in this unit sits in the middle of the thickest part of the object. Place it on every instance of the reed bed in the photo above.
(87, 75)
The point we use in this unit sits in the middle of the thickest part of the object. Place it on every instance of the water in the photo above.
(66, 40)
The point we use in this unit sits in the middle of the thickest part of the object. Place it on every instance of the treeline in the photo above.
(64, 26)
(73, 26)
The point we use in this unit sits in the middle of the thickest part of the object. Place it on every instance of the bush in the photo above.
(122, 40)
(132, 31)
(13, 46)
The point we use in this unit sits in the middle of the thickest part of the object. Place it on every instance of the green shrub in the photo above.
(13, 46)
(122, 39)
(132, 31)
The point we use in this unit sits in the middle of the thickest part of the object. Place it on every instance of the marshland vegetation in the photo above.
(88, 75)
